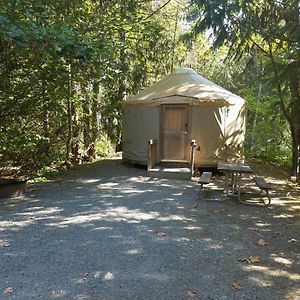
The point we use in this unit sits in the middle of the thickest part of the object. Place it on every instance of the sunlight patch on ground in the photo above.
(108, 185)
(84, 181)
(276, 181)
(134, 191)
(166, 185)
(120, 213)
(260, 224)
(283, 216)
(193, 228)
(294, 207)
(261, 282)
(58, 294)
(15, 225)
(35, 208)
(181, 240)
(177, 194)
(138, 179)
(97, 274)
(102, 228)
(108, 276)
(124, 190)
(135, 251)
(282, 260)
(273, 272)
(44, 211)
(173, 218)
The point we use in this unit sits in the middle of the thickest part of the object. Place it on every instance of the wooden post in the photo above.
(298, 164)
(149, 156)
(193, 148)
(152, 154)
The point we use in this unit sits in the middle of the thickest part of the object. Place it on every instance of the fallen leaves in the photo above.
(262, 242)
(4, 244)
(289, 298)
(159, 233)
(244, 259)
(191, 294)
(8, 291)
(236, 286)
(254, 258)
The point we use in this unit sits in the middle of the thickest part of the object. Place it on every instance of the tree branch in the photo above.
(161, 7)
(260, 48)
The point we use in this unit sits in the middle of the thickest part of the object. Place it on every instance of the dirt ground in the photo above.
(107, 231)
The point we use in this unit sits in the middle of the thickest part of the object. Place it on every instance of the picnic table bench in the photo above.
(264, 186)
(204, 178)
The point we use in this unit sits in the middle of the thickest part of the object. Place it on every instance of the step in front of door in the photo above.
(170, 172)
(174, 163)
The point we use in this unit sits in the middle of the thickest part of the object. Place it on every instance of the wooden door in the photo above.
(174, 132)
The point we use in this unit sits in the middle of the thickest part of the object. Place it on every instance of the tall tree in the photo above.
(67, 66)
(272, 27)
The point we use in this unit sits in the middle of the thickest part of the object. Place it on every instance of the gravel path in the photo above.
(106, 231)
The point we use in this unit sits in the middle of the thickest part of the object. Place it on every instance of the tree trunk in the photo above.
(252, 143)
(94, 115)
(86, 116)
(69, 116)
(294, 83)
(76, 136)
(122, 82)
(46, 124)
(293, 114)
(70, 130)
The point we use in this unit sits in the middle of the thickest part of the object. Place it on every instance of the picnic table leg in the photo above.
(226, 183)
(239, 186)
(233, 182)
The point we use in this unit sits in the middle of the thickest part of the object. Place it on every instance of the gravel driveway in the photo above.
(107, 231)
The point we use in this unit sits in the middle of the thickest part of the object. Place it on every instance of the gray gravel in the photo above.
(107, 231)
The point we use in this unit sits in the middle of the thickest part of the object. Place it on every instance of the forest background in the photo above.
(67, 66)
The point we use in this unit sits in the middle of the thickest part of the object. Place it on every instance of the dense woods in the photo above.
(66, 66)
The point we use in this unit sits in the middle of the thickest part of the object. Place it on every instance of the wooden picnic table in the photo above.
(235, 171)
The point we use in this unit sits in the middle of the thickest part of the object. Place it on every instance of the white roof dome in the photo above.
(184, 85)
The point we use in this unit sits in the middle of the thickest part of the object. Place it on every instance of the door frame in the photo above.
(162, 130)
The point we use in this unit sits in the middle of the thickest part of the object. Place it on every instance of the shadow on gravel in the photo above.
(106, 231)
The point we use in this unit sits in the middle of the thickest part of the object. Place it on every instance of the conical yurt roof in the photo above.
(184, 85)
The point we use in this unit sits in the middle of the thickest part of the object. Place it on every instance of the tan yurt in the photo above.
(181, 107)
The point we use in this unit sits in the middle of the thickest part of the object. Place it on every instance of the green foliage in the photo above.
(267, 136)
(67, 66)
(266, 35)
(104, 147)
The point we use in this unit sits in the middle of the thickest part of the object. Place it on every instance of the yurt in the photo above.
(181, 107)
